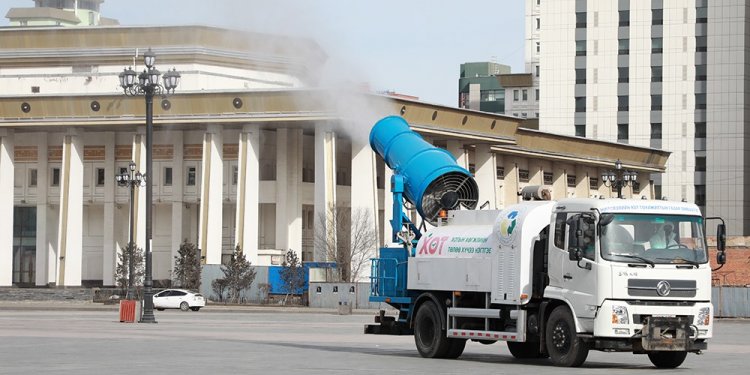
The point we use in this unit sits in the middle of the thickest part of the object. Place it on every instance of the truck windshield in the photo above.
(652, 239)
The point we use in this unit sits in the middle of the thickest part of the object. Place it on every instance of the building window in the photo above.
(594, 183)
(191, 175)
(537, 96)
(701, 14)
(700, 101)
(700, 195)
(99, 176)
(491, 95)
(547, 178)
(701, 72)
(580, 48)
(700, 130)
(524, 114)
(657, 16)
(55, 180)
(701, 44)
(515, 95)
(580, 130)
(623, 46)
(656, 74)
(623, 133)
(35, 89)
(235, 174)
(168, 176)
(538, 47)
(580, 103)
(580, 76)
(32, 177)
(656, 102)
(623, 75)
(523, 175)
(622, 102)
(571, 180)
(700, 163)
(538, 24)
(656, 130)
(525, 94)
(657, 45)
(624, 18)
(536, 70)
(580, 19)
(500, 172)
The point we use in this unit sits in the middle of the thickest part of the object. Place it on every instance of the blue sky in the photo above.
(412, 47)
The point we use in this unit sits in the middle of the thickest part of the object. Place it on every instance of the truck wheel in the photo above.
(428, 333)
(667, 359)
(564, 346)
(456, 348)
(524, 350)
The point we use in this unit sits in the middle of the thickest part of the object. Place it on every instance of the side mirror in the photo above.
(721, 237)
(721, 257)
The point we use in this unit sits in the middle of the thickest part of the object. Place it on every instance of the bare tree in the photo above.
(187, 266)
(347, 237)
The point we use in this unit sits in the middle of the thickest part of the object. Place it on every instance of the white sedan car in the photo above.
(178, 299)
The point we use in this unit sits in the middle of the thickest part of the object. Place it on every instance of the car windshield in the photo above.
(652, 239)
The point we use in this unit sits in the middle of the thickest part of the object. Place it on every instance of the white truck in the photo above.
(551, 278)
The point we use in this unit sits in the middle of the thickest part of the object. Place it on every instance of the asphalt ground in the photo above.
(85, 338)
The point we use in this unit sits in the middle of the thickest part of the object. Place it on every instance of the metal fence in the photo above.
(731, 301)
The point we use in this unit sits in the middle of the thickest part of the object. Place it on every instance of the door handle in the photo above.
(567, 276)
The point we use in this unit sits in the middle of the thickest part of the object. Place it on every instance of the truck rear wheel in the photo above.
(564, 346)
(524, 350)
(428, 333)
(667, 359)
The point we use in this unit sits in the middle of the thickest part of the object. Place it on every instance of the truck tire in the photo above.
(564, 346)
(456, 348)
(428, 332)
(667, 359)
(525, 350)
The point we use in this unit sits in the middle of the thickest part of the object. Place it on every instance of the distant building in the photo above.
(479, 88)
(60, 13)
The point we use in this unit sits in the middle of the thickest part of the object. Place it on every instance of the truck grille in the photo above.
(657, 287)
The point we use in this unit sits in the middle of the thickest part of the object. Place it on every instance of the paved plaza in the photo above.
(57, 339)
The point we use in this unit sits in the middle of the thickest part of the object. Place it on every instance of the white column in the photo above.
(6, 207)
(325, 181)
(209, 235)
(109, 248)
(70, 241)
(456, 148)
(485, 176)
(246, 229)
(44, 260)
(364, 198)
(176, 138)
(288, 179)
(139, 206)
(387, 207)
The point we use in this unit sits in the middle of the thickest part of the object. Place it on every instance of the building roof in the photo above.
(516, 80)
(42, 13)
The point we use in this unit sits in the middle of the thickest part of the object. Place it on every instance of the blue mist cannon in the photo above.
(432, 179)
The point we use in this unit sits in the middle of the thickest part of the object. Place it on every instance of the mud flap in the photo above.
(669, 334)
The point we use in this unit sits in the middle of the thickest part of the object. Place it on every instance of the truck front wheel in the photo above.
(428, 332)
(525, 350)
(564, 346)
(667, 359)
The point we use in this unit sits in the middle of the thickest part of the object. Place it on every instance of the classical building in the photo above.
(248, 151)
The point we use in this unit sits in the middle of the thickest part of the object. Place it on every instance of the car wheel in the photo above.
(184, 306)
(195, 308)
(564, 346)
(159, 309)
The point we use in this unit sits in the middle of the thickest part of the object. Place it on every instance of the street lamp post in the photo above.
(131, 179)
(619, 177)
(148, 85)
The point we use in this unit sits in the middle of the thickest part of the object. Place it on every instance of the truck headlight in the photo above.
(704, 317)
(620, 315)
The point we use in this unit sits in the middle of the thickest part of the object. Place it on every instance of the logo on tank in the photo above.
(507, 226)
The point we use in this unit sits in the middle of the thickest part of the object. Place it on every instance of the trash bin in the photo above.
(127, 311)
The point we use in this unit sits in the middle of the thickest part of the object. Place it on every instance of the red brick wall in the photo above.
(736, 271)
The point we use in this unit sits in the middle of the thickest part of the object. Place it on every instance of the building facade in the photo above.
(479, 89)
(660, 73)
(247, 152)
(65, 13)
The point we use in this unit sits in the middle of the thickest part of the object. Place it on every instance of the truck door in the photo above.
(579, 281)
